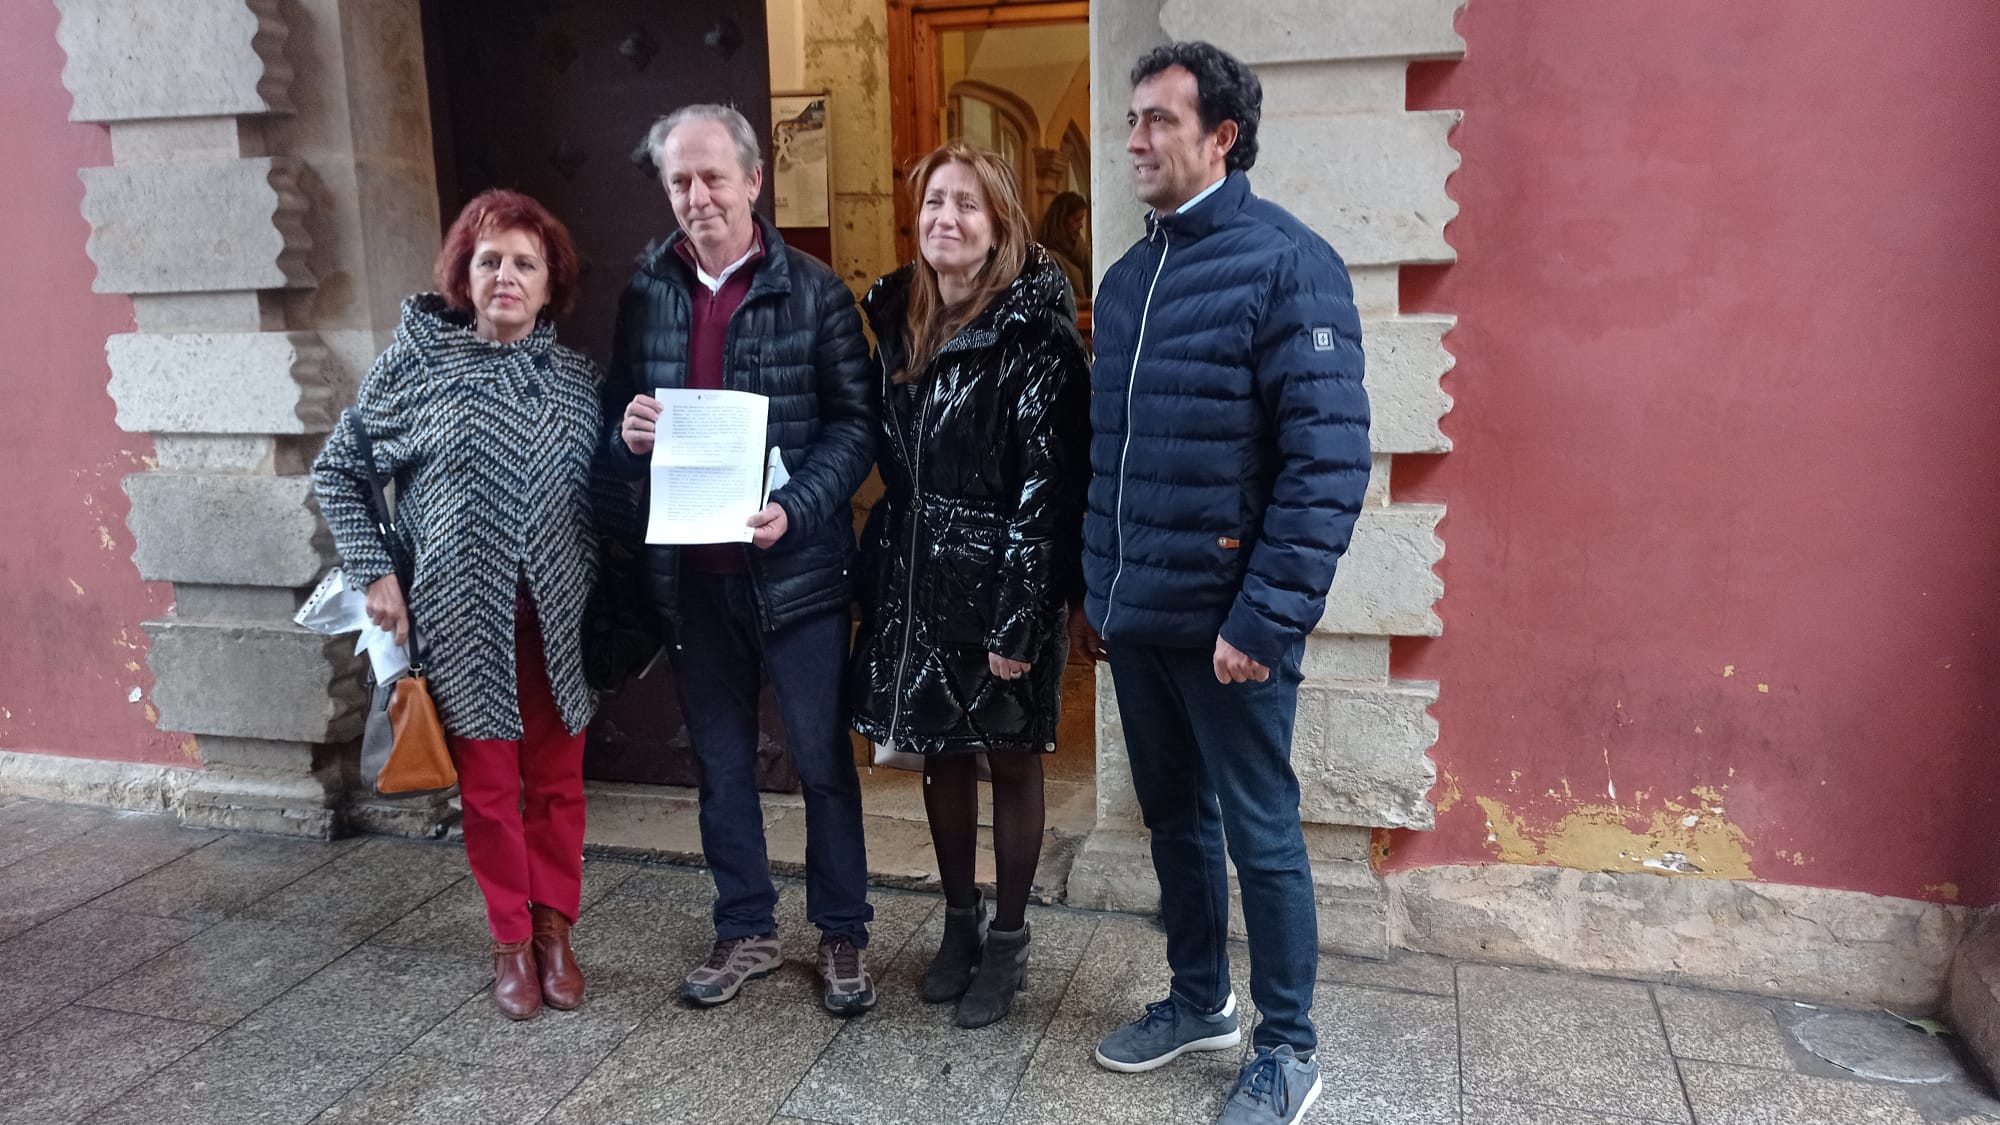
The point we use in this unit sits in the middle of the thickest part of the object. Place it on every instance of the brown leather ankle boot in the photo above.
(515, 988)
(562, 977)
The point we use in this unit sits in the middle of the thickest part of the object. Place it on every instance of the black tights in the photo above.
(951, 800)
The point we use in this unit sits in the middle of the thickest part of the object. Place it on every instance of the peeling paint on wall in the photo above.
(1680, 836)
(1447, 794)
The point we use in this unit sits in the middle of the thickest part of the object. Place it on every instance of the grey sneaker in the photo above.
(1168, 1030)
(730, 964)
(1275, 1089)
(850, 991)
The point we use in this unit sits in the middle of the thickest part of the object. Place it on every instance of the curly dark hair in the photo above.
(1226, 90)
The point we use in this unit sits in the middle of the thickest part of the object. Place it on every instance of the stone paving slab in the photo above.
(553, 1042)
(906, 1060)
(169, 977)
(1724, 1028)
(1063, 1085)
(81, 1058)
(225, 877)
(62, 959)
(373, 1000)
(1408, 1075)
(1497, 1111)
(1729, 1095)
(1562, 1040)
(419, 1091)
(733, 1065)
(223, 973)
(28, 827)
(366, 890)
(242, 1079)
(85, 866)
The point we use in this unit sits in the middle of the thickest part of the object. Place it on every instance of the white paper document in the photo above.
(709, 466)
(335, 608)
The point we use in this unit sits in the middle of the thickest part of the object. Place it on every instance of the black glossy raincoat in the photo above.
(975, 545)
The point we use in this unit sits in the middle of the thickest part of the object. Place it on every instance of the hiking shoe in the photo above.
(850, 991)
(1168, 1030)
(1275, 1089)
(730, 964)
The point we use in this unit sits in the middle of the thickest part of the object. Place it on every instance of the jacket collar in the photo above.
(434, 329)
(1039, 286)
(1211, 214)
(773, 271)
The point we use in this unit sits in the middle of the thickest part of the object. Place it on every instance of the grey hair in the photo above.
(748, 152)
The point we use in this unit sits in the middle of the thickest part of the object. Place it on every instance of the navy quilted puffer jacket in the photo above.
(1229, 448)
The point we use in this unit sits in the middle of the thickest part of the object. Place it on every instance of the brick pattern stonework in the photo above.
(1339, 149)
(266, 222)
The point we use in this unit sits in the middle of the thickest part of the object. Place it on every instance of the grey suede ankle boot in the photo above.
(1002, 973)
(957, 957)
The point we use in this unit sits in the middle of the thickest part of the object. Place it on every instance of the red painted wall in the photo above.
(1728, 397)
(72, 651)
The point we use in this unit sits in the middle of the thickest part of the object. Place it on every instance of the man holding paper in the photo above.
(745, 372)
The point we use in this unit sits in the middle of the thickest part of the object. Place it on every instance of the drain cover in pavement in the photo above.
(1881, 1047)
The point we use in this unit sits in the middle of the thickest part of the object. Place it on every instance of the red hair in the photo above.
(491, 212)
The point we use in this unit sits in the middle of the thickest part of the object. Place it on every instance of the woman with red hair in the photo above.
(488, 426)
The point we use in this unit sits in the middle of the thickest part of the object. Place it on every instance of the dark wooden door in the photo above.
(552, 98)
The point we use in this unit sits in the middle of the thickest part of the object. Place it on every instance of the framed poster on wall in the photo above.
(801, 186)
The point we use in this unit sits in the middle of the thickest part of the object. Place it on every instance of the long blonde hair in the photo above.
(929, 322)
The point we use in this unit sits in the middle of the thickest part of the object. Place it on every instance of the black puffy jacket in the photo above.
(974, 546)
(796, 339)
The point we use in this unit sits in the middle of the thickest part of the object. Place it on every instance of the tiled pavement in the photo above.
(156, 975)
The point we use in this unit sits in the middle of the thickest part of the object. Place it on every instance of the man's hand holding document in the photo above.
(710, 471)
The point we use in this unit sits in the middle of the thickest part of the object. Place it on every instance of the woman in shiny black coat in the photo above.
(971, 555)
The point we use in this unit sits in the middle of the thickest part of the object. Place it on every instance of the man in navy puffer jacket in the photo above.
(1229, 456)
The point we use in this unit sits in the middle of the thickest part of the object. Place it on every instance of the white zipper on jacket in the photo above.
(910, 572)
(1139, 345)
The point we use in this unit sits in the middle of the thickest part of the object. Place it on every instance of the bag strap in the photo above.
(385, 522)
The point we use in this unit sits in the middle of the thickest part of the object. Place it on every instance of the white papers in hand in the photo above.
(385, 657)
(708, 466)
(335, 608)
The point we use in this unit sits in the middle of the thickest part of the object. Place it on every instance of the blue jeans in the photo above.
(1209, 757)
(718, 668)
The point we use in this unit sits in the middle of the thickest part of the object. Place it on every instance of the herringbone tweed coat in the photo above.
(490, 446)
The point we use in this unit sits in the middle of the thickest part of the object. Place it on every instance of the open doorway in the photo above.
(552, 100)
(1013, 78)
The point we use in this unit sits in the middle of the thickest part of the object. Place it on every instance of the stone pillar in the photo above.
(271, 198)
(1340, 151)
(1972, 994)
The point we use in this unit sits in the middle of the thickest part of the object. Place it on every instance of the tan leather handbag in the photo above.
(403, 748)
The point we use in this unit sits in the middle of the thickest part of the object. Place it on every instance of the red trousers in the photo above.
(523, 800)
